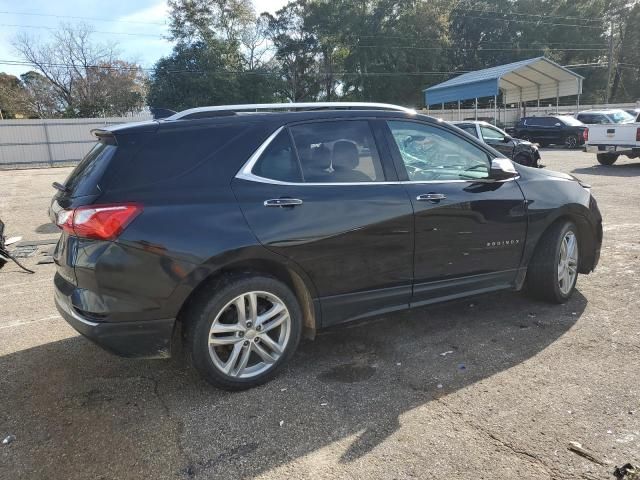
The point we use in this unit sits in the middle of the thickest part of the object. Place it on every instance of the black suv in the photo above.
(554, 130)
(237, 232)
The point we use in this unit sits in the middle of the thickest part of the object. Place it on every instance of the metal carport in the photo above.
(519, 82)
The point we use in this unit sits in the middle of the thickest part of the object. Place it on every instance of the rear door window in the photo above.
(341, 151)
(469, 129)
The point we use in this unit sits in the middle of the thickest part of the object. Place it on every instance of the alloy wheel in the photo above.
(568, 262)
(571, 141)
(249, 334)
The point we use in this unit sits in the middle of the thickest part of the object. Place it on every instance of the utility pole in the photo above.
(610, 69)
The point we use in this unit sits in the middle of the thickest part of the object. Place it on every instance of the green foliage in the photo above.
(386, 50)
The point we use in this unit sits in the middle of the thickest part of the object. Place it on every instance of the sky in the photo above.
(138, 26)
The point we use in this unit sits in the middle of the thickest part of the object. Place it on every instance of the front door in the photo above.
(469, 230)
(496, 139)
(320, 196)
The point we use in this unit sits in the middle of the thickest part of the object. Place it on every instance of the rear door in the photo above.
(321, 195)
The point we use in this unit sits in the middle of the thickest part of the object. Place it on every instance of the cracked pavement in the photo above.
(370, 400)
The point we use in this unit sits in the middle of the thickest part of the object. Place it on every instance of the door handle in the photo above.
(282, 202)
(432, 197)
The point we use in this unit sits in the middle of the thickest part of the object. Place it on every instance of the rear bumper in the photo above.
(617, 149)
(141, 339)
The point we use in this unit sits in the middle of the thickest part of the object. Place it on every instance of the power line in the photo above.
(94, 19)
(93, 31)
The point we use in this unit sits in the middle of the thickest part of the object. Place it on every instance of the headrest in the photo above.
(345, 155)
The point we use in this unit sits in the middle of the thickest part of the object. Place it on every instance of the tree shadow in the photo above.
(615, 170)
(78, 412)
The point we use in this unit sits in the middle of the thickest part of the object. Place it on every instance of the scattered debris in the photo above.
(532, 315)
(24, 251)
(399, 364)
(283, 389)
(12, 240)
(444, 354)
(577, 448)
(281, 422)
(627, 472)
(439, 385)
(471, 305)
(9, 439)
(324, 404)
(574, 313)
(462, 366)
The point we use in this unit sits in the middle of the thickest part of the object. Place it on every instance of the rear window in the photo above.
(84, 179)
(168, 155)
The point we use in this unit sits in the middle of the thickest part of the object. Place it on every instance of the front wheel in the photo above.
(553, 269)
(606, 158)
(524, 159)
(242, 335)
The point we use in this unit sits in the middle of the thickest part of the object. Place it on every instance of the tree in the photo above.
(41, 98)
(197, 75)
(12, 96)
(80, 77)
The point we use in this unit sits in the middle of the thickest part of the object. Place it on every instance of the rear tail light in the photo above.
(585, 134)
(101, 222)
(638, 134)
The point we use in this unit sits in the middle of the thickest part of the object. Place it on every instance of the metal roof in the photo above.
(525, 80)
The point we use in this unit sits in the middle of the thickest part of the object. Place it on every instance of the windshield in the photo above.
(620, 117)
(572, 122)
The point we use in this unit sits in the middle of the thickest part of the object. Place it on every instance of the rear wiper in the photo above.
(59, 186)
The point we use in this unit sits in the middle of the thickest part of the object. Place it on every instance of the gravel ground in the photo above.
(372, 400)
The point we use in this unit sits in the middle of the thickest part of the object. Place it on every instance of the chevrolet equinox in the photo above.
(239, 229)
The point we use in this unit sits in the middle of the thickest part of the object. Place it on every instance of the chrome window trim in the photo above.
(245, 173)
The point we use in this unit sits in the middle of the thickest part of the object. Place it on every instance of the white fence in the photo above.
(33, 143)
(42, 143)
(509, 116)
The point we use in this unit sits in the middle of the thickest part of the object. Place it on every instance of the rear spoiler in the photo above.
(104, 136)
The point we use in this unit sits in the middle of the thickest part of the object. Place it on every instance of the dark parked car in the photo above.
(553, 130)
(520, 151)
(237, 233)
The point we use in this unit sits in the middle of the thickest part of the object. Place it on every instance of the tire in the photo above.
(524, 159)
(606, 158)
(571, 141)
(544, 280)
(211, 360)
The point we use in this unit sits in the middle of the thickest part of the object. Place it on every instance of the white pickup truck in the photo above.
(609, 141)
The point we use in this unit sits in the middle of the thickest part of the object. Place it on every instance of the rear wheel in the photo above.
(571, 141)
(553, 269)
(242, 335)
(607, 158)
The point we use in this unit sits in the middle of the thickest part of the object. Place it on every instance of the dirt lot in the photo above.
(374, 400)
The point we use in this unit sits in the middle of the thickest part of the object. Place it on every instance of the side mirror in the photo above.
(558, 124)
(502, 169)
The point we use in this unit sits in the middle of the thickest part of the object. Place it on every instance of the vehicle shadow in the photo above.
(615, 170)
(78, 412)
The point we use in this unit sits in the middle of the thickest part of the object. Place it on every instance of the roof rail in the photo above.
(201, 112)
